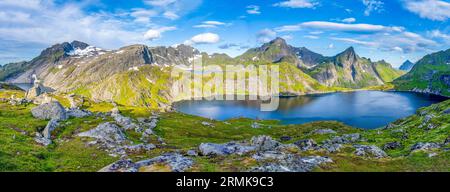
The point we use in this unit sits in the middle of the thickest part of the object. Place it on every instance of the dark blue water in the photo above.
(364, 109)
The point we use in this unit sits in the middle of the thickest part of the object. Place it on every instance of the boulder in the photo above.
(212, 149)
(125, 122)
(331, 148)
(139, 148)
(424, 146)
(176, 161)
(42, 140)
(52, 110)
(324, 131)
(51, 125)
(392, 145)
(264, 143)
(78, 113)
(255, 125)
(293, 163)
(344, 139)
(34, 91)
(369, 151)
(306, 144)
(192, 153)
(108, 133)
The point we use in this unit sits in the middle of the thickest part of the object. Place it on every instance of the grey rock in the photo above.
(369, 151)
(176, 161)
(212, 149)
(344, 139)
(447, 111)
(42, 140)
(139, 147)
(123, 165)
(293, 163)
(204, 123)
(78, 113)
(108, 133)
(125, 122)
(192, 153)
(255, 125)
(392, 145)
(264, 143)
(52, 110)
(447, 141)
(51, 125)
(306, 144)
(331, 148)
(424, 146)
(324, 131)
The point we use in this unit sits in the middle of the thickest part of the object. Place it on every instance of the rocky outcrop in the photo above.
(344, 139)
(264, 143)
(292, 163)
(392, 145)
(369, 151)
(211, 149)
(108, 133)
(175, 161)
(52, 110)
(425, 147)
(324, 131)
(44, 137)
(306, 144)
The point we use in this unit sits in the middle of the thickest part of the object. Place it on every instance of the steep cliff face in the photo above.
(349, 70)
(431, 74)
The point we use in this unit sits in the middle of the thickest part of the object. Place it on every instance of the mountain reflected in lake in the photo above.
(364, 109)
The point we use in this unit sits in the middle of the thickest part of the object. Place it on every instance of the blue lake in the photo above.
(364, 109)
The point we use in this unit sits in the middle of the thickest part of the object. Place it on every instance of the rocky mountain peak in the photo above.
(407, 65)
(349, 55)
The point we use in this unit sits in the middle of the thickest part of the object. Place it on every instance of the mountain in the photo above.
(349, 70)
(277, 51)
(407, 66)
(431, 74)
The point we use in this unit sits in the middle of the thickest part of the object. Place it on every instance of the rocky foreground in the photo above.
(78, 135)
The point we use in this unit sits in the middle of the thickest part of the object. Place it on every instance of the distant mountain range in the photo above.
(407, 66)
(140, 75)
(431, 74)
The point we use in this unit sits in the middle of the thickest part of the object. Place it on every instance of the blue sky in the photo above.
(394, 30)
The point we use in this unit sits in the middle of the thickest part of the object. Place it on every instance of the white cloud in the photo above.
(287, 28)
(372, 5)
(438, 35)
(143, 15)
(331, 46)
(297, 4)
(213, 23)
(311, 37)
(287, 37)
(204, 38)
(48, 23)
(429, 9)
(363, 28)
(156, 33)
(253, 10)
(27, 4)
(210, 24)
(349, 20)
(266, 35)
(355, 41)
(159, 3)
(171, 15)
